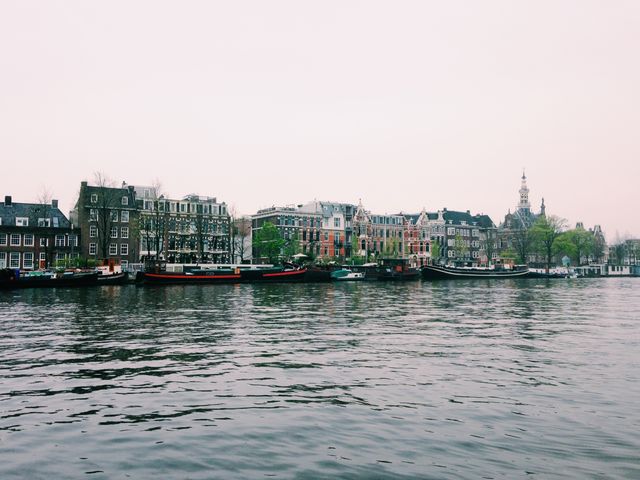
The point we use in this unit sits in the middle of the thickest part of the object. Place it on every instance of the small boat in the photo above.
(442, 272)
(10, 279)
(346, 275)
(397, 269)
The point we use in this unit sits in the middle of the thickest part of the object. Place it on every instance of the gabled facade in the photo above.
(108, 219)
(35, 235)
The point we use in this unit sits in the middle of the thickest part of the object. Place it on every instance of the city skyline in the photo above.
(423, 105)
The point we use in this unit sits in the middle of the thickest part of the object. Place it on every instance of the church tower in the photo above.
(524, 207)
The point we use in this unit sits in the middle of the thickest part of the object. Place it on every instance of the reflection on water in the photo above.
(468, 379)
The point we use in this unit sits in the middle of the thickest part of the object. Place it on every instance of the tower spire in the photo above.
(524, 206)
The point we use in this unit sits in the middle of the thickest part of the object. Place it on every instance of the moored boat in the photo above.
(113, 279)
(10, 279)
(443, 272)
(346, 275)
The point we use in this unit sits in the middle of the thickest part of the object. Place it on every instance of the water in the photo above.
(468, 379)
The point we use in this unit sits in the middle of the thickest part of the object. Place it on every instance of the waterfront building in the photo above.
(36, 235)
(300, 229)
(108, 219)
(336, 228)
(512, 238)
(193, 229)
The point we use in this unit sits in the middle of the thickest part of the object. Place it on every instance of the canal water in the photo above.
(444, 380)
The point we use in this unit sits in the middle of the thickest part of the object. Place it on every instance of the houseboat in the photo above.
(443, 272)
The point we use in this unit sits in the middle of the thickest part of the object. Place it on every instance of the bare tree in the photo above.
(241, 228)
(105, 206)
(153, 221)
(40, 216)
(522, 242)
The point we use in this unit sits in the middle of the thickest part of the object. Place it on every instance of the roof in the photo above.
(456, 218)
(8, 214)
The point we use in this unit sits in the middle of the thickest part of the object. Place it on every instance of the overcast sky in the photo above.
(402, 104)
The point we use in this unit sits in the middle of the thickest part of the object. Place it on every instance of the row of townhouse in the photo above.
(35, 235)
(334, 230)
(135, 223)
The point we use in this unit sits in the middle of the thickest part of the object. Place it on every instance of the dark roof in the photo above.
(8, 213)
(456, 218)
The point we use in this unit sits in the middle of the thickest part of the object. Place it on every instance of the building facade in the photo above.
(193, 229)
(108, 219)
(36, 235)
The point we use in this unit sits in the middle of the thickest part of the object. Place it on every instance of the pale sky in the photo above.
(403, 104)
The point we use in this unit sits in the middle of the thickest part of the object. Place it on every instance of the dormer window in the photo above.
(22, 221)
(94, 198)
(125, 200)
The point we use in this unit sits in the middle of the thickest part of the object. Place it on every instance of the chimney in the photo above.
(7, 200)
(83, 184)
(54, 203)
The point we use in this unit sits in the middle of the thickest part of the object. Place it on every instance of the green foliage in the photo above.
(461, 247)
(268, 242)
(509, 254)
(292, 246)
(545, 233)
(575, 244)
(436, 251)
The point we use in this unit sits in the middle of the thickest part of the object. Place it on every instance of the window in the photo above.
(73, 240)
(124, 232)
(3, 260)
(94, 198)
(451, 231)
(92, 249)
(326, 236)
(125, 200)
(22, 222)
(27, 261)
(124, 216)
(336, 222)
(44, 242)
(114, 215)
(3, 238)
(59, 240)
(93, 231)
(113, 249)
(15, 239)
(93, 215)
(14, 260)
(124, 264)
(114, 232)
(28, 240)
(44, 222)
(56, 222)
(124, 249)
(43, 256)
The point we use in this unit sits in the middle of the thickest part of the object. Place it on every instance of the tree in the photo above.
(40, 216)
(461, 247)
(489, 244)
(107, 201)
(436, 251)
(268, 242)
(618, 251)
(241, 232)
(522, 242)
(545, 231)
(580, 244)
(292, 246)
(153, 221)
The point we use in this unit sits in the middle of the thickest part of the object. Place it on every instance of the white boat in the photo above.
(345, 274)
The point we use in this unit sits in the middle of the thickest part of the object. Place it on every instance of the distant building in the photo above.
(108, 219)
(194, 229)
(35, 235)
